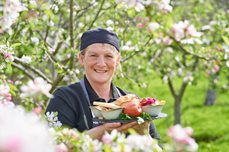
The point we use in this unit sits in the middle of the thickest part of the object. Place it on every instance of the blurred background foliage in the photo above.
(187, 72)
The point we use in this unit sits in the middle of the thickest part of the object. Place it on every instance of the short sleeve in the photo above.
(61, 103)
(153, 131)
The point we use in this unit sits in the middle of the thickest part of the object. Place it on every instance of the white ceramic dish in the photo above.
(112, 114)
(152, 110)
(96, 111)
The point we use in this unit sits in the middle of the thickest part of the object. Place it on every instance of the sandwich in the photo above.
(105, 106)
(123, 100)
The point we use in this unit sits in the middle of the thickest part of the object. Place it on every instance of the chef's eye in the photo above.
(110, 56)
(92, 55)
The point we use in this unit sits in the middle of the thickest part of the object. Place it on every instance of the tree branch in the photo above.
(136, 52)
(182, 89)
(56, 82)
(21, 68)
(97, 14)
(156, 55)
(58, 47)
(186, 51)
(171, 87)
(184, 83)
(38, 72)
(46, 33)
(71, 24)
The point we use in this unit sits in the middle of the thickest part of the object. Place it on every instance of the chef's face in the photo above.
(100, 61)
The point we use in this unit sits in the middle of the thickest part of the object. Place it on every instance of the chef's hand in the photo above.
(143, 128)
(99, 131)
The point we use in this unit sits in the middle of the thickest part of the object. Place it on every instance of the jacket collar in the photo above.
(93, 95)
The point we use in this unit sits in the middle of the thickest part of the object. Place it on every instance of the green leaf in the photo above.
(123, 116)
(16, 45)
(49, 13)
(226, 40)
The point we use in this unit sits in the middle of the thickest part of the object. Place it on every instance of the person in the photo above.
(100, 57)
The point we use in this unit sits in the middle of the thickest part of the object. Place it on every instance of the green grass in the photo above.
(210, 123)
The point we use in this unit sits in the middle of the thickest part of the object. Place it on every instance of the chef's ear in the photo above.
(81, 57)
(118, 60)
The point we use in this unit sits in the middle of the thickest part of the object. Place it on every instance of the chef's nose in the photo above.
(101, 60)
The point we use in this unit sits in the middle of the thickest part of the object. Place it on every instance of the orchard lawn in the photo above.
(210, 123)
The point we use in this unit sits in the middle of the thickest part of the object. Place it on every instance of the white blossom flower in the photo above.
(51, 23)
(26, 59)
(107, 138)
(206, 41)
(109, 22)
(169, 50)
(227, 63)
(61, 148)
(114, 135)
(188, 41)
(36, 87)
(153, 26)
(164, 6)
(89, 142)
(182, 139)
(188, 78)
(180, 71)
(80, 24)
(109, 28)
(60, 2)
(35, 40)
(6, 53)
(206, 27)
(133, 142)
(53, 119)
(77, 71)
(142, 143)
(178, 30)
(226, 48)
(167, 40)
(51, 50)
(24, 132)
(183, 29)
(33, 2)
(11, 11)
(5, 95)
(136, 4)
(129, 47)
(55, 8)
(3, 48)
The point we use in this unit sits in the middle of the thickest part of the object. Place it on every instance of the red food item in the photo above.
(132, 109)
(148, 101)
(143, 102)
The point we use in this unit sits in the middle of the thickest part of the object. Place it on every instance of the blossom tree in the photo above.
(177, 45)
(40, 39)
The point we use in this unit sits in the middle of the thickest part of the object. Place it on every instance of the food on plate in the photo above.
(151, 101)
(130, 104)
(152, 110)
(96, 110)
(125, 99)
(128, 107)
(106, 106)
(152, 106)
(133, 109)
(112, 114)
(106, 110)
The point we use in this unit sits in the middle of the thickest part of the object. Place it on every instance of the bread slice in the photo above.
(106, 105)
(125, 99)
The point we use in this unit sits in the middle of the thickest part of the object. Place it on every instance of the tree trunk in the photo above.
(210, 97)
(177, 111)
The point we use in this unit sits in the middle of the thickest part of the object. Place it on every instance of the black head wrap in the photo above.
(99, 35)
